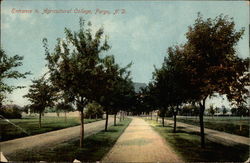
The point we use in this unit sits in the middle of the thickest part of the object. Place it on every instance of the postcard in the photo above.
(124, 81)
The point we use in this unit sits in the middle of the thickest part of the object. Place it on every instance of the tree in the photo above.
(211, 110)
(94, 110)
(147, 99)
(65, 107)
(41, 95)
(241, 110)
(217, 110)
(224, 110)
(113, 89)
(160, 87)
(8, 70)
(212, 62)
(170, 81)
(64, 102)
(124, 93)
(11, 111)
(75, 66)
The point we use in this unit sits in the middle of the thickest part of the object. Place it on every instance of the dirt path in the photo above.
(140, 143)
(213, 135)
(51, 138)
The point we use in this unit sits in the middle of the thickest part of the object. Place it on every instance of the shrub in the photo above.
(11, 112)
(93, 110)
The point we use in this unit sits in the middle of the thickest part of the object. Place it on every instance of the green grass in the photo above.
(187, 146)
(29, 126)
(95, 147)
(232, 125)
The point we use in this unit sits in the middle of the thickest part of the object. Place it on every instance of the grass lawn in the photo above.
(232, 125)
(95, 147)
(29, 126)
(187, 145)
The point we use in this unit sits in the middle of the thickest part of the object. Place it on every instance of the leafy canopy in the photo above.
(41, 95)
(8, 70)
(75, 63)
(212, 61)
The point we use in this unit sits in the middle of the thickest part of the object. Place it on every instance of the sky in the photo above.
(139, 32)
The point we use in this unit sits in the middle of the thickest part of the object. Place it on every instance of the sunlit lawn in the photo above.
(187, 145)
(95, 147)
(29, 126)
(233, 125)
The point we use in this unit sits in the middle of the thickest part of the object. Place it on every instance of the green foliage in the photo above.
(170, 84)
(41, 95)
(242, 110)
(10, 112)
(212, 61)
(224, 110)
(189, 110)
(206, 64)
(75, 63)
(148, 100)
(76, 67)
(94, 110)
(8, 70)
(117, 88)
(211, 110)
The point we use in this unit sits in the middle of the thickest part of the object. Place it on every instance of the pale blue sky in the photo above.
(141, 35)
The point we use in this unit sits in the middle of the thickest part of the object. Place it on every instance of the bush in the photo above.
(93, 110)
(11, 112)
(241, 111)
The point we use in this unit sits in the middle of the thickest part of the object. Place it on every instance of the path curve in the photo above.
(51, 138)
(140, 143)
(213, 135)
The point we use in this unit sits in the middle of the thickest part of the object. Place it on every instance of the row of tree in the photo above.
(78, 74)
(207, 64)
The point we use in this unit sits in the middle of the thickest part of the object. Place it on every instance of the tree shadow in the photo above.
(119, 125)
(109, 130)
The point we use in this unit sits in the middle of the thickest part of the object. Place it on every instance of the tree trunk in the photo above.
(40, 119)
(120, 116)
(123, 115)
(65, 116)
(82, 128)
(202, 109)
(175, 114)
(107, 118)
(115, 119)
(175, 122)
(157, 117)
(162, 121)
(151, 115)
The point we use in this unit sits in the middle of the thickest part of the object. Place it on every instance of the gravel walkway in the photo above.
(140, 143)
